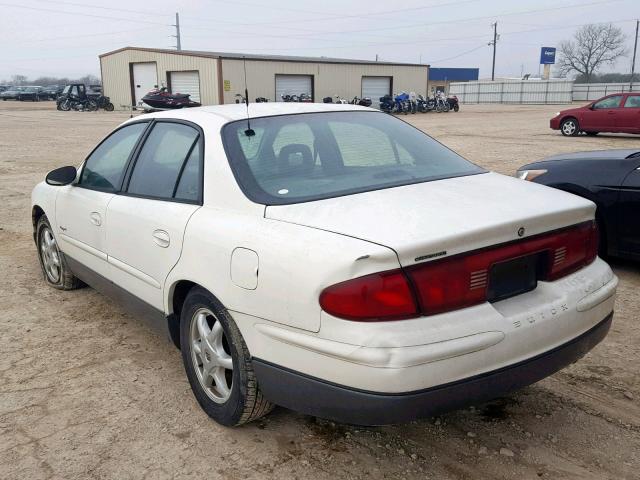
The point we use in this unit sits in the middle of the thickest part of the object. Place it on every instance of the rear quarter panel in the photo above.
(295, 263)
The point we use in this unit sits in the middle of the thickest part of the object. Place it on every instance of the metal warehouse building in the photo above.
(215, 78)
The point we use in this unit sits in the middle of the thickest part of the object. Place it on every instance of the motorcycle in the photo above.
(364, 102)
(262, 100)
(441, 103)
(70, 102)
(305, 98)
(104, 102)
(422, 104)
(341, 100)
(160, 98)
(401, 102)
(387, 104)
(452, 100)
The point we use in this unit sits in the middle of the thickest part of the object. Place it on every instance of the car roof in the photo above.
(233, 112)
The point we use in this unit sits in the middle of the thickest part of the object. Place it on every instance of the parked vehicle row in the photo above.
(360, 271)
(30, 93)
(411, 103)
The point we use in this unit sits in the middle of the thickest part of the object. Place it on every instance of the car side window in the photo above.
(159, 164)
(105, 167)
(189, 184)
(633, 101)
(610, 102)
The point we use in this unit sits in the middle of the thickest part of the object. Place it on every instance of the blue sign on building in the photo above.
(547, 55)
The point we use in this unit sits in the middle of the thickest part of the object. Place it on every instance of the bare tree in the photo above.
(592, 47)
(18, 79)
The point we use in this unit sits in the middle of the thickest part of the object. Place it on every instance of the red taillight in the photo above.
(456, 282)
(573, 248)
(380, 296)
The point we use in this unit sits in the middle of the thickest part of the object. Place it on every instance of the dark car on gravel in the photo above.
(33, 94)
(616, 113)
(610, 179)
(12, 93)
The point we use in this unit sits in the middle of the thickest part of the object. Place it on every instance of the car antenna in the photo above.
(249, 132)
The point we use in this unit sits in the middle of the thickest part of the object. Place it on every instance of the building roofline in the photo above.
(258, 57)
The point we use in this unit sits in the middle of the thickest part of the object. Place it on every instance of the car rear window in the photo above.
(313, 156)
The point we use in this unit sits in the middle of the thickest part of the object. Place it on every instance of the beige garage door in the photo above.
(293, 85)
(186, 82)
(375, 88)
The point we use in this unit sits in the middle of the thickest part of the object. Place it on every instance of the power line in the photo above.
(62, 12)
(100, 7)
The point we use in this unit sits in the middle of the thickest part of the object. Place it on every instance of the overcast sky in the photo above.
(51, 37)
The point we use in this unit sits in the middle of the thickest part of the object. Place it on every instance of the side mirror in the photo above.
(61, 176)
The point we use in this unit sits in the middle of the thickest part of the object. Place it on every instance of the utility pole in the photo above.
(495, 40)
(177, 35)
(633, 62)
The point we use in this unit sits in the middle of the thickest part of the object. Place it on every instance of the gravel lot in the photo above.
(86, 391)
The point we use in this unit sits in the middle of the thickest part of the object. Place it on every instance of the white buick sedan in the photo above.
(327, 258)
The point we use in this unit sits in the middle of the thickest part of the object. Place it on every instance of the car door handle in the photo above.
(95, 218)
(161, 238)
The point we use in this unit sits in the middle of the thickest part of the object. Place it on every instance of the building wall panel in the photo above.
(116, 74)
(329, 79)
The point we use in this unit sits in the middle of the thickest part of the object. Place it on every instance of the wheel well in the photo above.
(178, 296)
(568, 117)
(36, 213)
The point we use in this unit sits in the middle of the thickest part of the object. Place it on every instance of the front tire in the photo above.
(570, 127)
(54, 267)
(109, 107)
(218, 363)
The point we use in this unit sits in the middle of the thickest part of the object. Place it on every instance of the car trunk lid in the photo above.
(432, 220)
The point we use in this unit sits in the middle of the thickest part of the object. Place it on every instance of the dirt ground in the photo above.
(86, 391)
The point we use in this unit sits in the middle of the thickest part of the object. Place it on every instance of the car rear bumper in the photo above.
(324, 399)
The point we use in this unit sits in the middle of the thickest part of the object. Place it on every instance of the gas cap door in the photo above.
(244, 268)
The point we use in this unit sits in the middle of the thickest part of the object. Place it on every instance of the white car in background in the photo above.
(331, 259)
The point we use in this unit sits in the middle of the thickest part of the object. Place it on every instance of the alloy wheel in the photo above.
(50, 255)
(569, 127)
(210, 355)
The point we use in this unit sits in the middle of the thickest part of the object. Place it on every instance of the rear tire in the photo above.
(109, 107)
(54, 266)
(210, 343)
(456, 107)
(570, 127)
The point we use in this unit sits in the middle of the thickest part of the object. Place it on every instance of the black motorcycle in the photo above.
(452, 100)
(104, 102)
(364, 102)
(387, 104)
(71, 102)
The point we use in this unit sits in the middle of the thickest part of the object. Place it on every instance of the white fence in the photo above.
(593, 91)
(514, 91)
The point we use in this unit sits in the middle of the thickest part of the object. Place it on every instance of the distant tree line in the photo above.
(608, 78)
(42, 81)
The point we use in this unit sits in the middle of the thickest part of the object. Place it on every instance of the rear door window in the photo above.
(633, 101)
(163, 159)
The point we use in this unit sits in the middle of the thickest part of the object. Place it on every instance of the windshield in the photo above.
(303, 157)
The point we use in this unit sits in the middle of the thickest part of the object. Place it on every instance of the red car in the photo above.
(618, 113)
